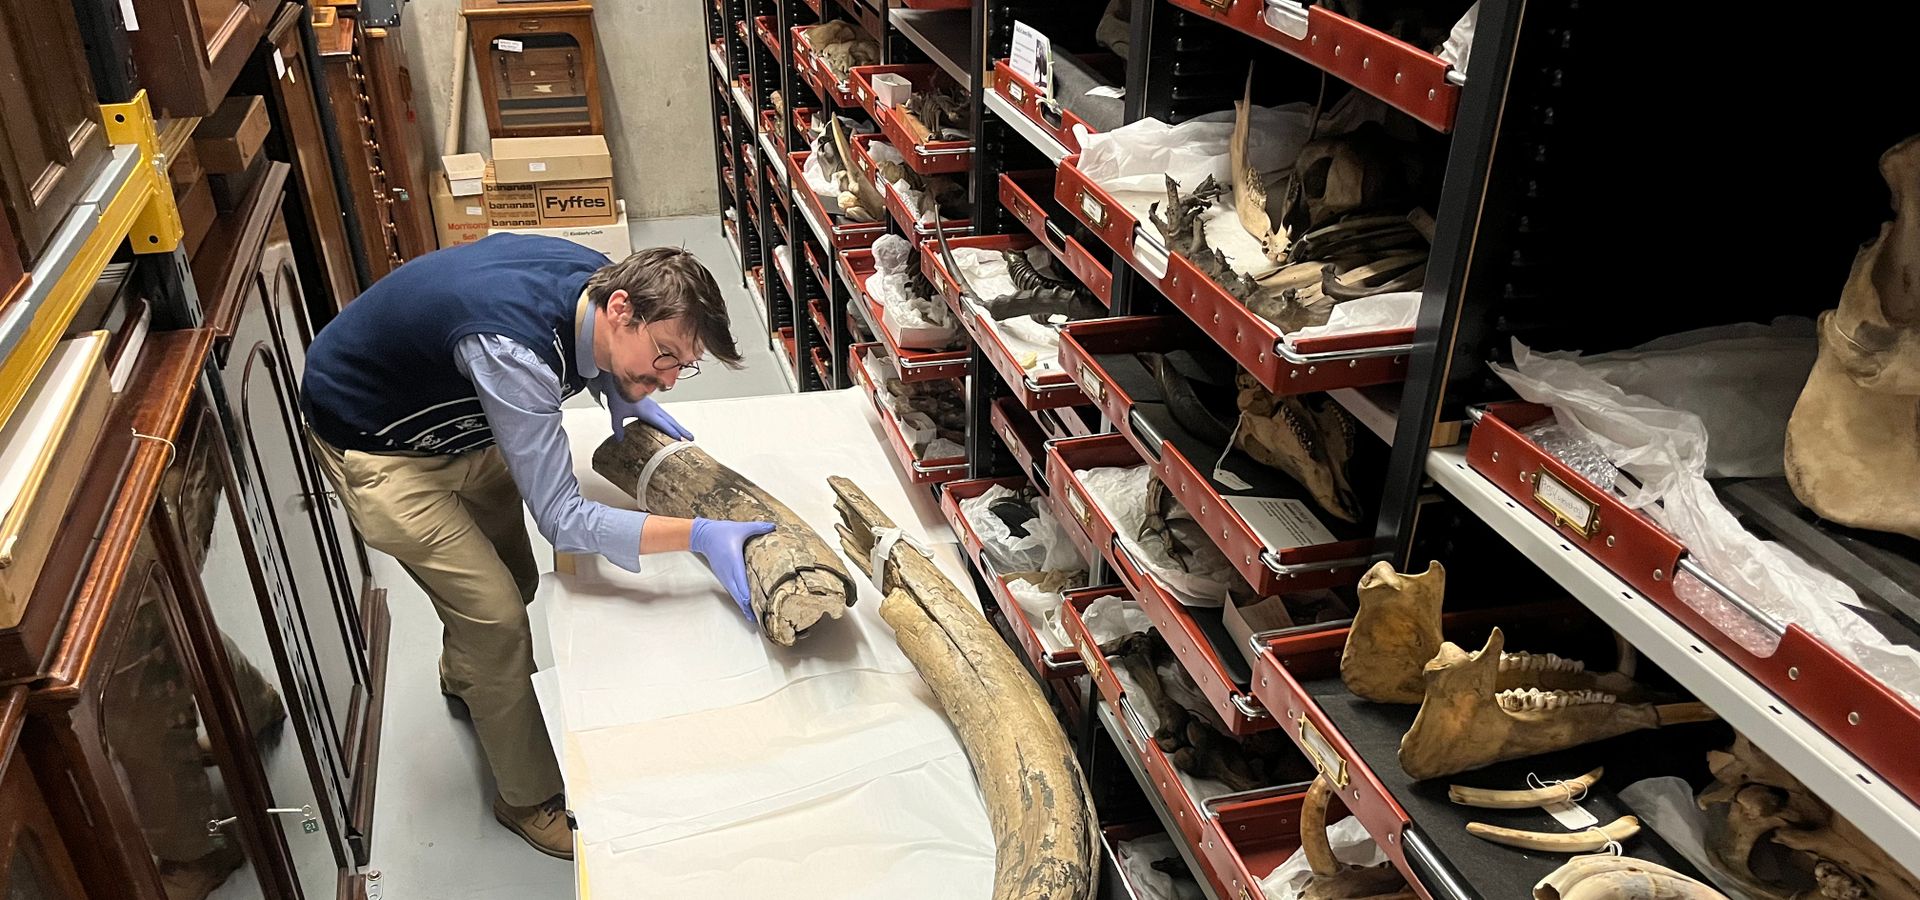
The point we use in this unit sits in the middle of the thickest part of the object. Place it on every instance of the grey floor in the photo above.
(434, 835)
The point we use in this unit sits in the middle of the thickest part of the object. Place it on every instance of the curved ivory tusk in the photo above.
(1553, 793)
(1607, 877)
(1570, 842)
(1313, 829)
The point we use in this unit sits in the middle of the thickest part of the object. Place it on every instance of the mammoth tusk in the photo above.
(1553, 792)
(1570, 842)
(1608, 877)
(1313, 829)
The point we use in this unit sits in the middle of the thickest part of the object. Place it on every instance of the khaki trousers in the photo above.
(455, 523)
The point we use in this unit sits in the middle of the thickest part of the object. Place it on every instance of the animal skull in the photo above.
(1307, 436)
(1466, 721)
(1765, 810)
(1396, 631)
(1609, 877)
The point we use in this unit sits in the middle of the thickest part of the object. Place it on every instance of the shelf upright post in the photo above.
(1456, 312)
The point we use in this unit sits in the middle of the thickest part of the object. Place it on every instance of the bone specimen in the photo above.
(841, 47)
(1608, 877)
(793, 577)
(1586, 841)
(1763, 808)
(1853, 433)
(1466, 721)
(858, 197)
(1190, 732)
(1396, 631)
(1333, 879)
(1307, 436)
(1555, 792)
(1258, 209)
(1044, 827)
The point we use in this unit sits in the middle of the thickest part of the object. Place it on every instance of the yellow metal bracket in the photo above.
(156, 220)
(140, 211)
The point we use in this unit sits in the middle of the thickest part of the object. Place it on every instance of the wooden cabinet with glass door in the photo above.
(33, 856)
(53, 143)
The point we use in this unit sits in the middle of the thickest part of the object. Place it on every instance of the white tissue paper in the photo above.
(1667, 806)
(1113, 617)
(1666, 450)
(1459, 43)
(1140, 156)
(1042, 609)
(1121, 495)
(1380, 312)
(1352, 845)
(1136, 865)
(916, 322)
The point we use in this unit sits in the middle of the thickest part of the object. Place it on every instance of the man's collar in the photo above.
(584, 315)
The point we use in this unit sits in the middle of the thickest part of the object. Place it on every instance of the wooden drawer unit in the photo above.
(536, 64)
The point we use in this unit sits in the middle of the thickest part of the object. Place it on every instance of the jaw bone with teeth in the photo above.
(1307, 436)
(1396, 631)
(1466, 722)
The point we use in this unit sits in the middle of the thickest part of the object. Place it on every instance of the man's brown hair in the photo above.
(669, 283)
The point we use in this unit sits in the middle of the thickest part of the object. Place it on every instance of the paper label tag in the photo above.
(1571, 815)
(536, 167)
(128, 16)
(1110, 91)
(1032, 56)
(279, 64)
(508, 45)
(1566, 503)
(1281, 523)
(1095, 214)
(474, 210)
(1079, 506)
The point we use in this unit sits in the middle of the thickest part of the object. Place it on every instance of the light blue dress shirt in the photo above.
(521, 397)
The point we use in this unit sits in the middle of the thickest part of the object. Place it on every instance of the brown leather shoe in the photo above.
(544, 827)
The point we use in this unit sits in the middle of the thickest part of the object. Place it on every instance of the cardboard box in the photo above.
(232, 190)
(460, 220)
(1244, 621)
(228, 140)
(542, 159)
(615, 241)
(466, 173)
(891, 90)
(549, 204)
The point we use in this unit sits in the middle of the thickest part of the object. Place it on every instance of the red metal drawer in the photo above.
(913, 365)
(1024, 96)
(926, 157)
(1094, 534)
(1852, 707)
(916, 470)
(1043, 392)
(841, 235)
(770, 126)
(1268, 570)
(817, 311)
(1017, 193)
(1411, 79)
(1248, 835)
(817, 75)
(1100, 212)
(763, 26)
(1023, 438)
(897, 202)
(821, 368)
(1063, 663)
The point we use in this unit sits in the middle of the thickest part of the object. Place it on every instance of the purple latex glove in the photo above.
(723, 545)
(646, 411)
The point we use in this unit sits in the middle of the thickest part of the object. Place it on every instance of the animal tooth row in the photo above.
(1521, 699)
(1539, 662)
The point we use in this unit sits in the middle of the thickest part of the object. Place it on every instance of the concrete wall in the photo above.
(653, 74)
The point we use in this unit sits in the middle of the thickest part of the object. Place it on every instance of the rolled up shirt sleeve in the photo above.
(521, 397)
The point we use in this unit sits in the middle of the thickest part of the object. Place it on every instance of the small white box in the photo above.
(891, 90)
(465, 173)
(612, 240)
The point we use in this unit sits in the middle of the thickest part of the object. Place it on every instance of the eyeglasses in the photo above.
(667, 362)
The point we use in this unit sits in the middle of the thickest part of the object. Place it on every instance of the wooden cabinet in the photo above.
(537, 65)
(53, 140)
(315, 215)
(34, 864)
(317, 578)
(387, 171)
(188, 52)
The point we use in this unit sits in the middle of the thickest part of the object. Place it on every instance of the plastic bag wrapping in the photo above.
(1380, 312)
(943, 448)
(820, 181)
(1352, 845)
(1111, 618)
(985, 271)
(1667, 806)
(1140, 156)
(1045, 548)
(917, 322)
(1459, 43)
(1121, 495)
(1137, 857)
(1666, 450)
(1035, 346)
(1200, 789)
(1741, 380)
(1042, 609)
(783, 257)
